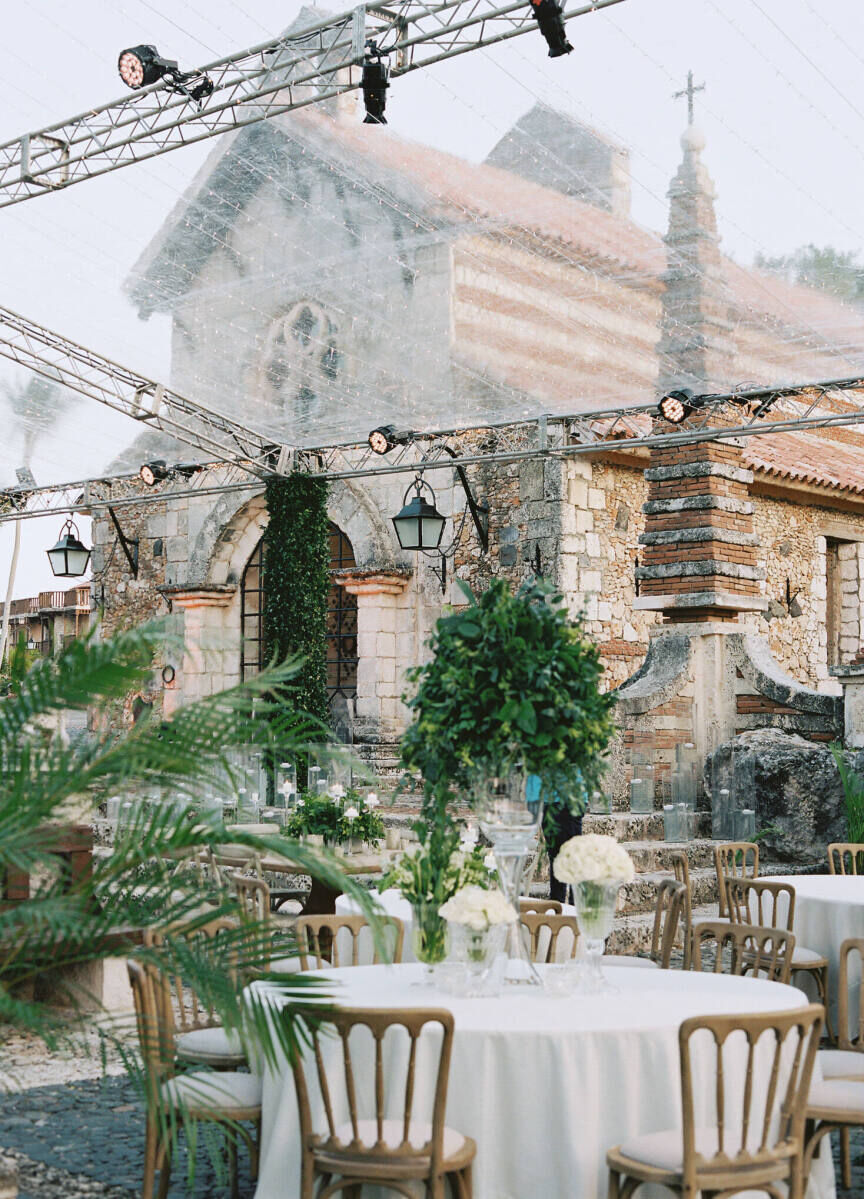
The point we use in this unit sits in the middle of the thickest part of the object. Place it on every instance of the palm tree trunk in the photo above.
(4, 631)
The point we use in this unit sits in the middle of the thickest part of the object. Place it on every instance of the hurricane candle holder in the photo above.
(511, 822)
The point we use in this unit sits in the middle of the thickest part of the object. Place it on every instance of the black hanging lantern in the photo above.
(69, 557)
(419, 526)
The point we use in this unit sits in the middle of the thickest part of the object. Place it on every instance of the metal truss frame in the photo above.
(829, 404)
(151, 404)
(273, 77)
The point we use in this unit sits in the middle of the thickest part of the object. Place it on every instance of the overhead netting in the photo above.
(500, 250)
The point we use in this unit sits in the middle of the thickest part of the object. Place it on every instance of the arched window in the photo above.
(301, 356)
(341, 619)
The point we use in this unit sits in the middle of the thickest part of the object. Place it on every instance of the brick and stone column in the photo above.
(210, 657)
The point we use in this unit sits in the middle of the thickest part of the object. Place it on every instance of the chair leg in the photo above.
(151, 1149)
(165, 1173)
(232, 1165)
(846, 1157)
(254, 1151)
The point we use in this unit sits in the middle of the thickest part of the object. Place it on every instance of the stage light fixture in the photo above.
(154, 472)
(550, 17)
(139, 66)
(375, 81)
(386, 437)
(677, 405)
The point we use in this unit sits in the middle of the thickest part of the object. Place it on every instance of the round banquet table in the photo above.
(829, 908)
(545, 1085)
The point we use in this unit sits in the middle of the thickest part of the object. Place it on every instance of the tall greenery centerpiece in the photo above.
(511, 690)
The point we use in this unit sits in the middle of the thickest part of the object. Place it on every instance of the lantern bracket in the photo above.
(129, 545)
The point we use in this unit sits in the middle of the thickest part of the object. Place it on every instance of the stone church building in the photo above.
(324, 277)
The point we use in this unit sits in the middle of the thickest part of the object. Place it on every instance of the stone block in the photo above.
(577, 493)
(592, 545)
(386, 645)
(531, 480)
(171, 522)
(177, 549)
(591, 580)
(584, 521)
(818, 587)
(604, 610)
(387, 670)
(596, 498)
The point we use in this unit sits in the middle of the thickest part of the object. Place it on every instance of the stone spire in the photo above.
(696, 348)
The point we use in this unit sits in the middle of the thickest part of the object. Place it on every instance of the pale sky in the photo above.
(783, 115)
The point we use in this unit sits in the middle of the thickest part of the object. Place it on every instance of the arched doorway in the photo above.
(341, 620)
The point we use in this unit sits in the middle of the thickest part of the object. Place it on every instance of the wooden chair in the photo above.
(543, 930)
(734, 859)
(198, 1038)
(318, 937)
(541, 907)
(392, 1147)
(771, 904)
(841, 851)
(847, 1060)
(253, 898)
(667, 917)
(744, 947)
(681, 869)
(756, 1138)
(228, 862)
(226, 1098)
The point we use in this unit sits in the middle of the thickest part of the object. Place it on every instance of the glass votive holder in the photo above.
(642, 794)
(392, 837)
(112, 808)
(744, 824)
(561, 978)
(670, 822)
(686, 822)
(600, 804)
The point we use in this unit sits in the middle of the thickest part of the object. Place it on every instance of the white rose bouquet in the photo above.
(478, 908)
(592, 858)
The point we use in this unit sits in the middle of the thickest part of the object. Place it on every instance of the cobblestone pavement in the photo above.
(85, 1140)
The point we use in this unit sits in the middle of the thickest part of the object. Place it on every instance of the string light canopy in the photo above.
(69, 557)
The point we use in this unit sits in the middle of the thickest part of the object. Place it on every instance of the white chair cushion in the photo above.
(205, 1092)
(665, 1150)
(839, 1094)
(284, 966)
(208, 1045)
(805, 957)
(621, 959)
(841, 1063)
(391, 1132)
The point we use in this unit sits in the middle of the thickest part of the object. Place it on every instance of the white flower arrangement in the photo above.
(337, 791)
(351, 813)
(477, 908)
(592, 858)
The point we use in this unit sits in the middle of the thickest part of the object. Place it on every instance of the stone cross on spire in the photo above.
(689, 91)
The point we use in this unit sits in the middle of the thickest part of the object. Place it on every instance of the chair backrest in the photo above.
(189, 1010)
(844, 857)
(344, 1076)
(546, 907)
(154, 1018)
(760, 901)
(671, 898)
(734, 858)
(850, 1036)
(319, 938)
(739, 948)
(253, 896)
(758, 1121)
(544, 930)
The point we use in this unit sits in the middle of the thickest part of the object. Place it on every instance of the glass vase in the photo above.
(430, 938)
(477, 950)
(595, 909)
(510, 819)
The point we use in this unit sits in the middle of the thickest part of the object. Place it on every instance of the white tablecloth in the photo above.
(545, 1085)
(829, 908)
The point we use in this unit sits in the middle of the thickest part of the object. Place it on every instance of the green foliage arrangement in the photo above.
(330, 818)
(853, 796)
(434, 870)
(511, 680)
(297, 570)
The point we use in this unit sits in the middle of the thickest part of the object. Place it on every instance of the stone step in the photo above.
(641, 894)
(657, 855)
(632, 932)
(637, 826)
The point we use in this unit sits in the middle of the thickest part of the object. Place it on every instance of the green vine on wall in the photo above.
(297, 573)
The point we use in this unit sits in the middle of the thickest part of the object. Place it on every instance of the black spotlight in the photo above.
(375, 81)
(677, 405)
(385, 438)
(154, 472)
(550, 17)
(140, 66)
